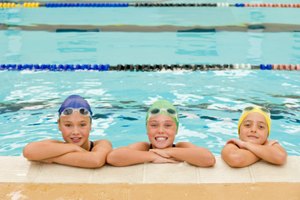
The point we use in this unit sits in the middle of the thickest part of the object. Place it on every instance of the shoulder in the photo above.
(185, 145)
(102, 144)
(272, 142)
(142, 146)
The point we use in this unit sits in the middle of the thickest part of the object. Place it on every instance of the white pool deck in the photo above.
(17, 170)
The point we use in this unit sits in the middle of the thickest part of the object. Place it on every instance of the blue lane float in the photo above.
(144, 67)
(83, 4)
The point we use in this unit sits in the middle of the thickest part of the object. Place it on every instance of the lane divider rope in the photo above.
(10, 4)
(144, 67)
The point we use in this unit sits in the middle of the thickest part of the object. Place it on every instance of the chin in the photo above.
(161, 146)
(256, 142)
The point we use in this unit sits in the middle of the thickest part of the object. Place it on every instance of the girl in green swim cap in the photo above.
(162, 127)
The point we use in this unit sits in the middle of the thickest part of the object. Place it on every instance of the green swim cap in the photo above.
(163, 107)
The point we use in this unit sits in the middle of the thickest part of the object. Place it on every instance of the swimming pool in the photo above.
(209, 102)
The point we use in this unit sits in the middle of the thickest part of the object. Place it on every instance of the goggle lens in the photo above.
(69, 111)
(265, 110)
(157, 110)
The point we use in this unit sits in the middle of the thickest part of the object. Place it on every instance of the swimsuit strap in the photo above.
(91, 145)
(151, 147)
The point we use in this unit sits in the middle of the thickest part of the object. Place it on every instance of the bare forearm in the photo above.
(270, 154)
(236, 157)
(82, 159)
(196, 156)
(126, 156)
(44, 150)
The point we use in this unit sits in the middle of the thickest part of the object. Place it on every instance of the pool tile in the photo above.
(170, 173)
(54, 173)
(265, 172)
(14, 163)
(110, 174)
(222, 173)
(18, 169)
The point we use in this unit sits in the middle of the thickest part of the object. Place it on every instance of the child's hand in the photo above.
(239, 143)
(162, 152)
(77, 148)
(160, 159)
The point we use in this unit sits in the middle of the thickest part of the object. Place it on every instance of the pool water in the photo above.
(209, 102)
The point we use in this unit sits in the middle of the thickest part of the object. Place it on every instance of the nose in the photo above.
(253, 129)
(161, 129)
(75, 130)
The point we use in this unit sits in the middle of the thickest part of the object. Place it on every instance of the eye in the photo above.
(247, 125)
(153, 125)
(261, 126)
(67, 125)
(83, 124)
(168, 125)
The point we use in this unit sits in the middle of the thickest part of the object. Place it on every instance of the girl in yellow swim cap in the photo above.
(254, 127)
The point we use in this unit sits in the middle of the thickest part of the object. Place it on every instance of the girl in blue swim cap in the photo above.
(75, 118)
(162, 127)
(254, 127)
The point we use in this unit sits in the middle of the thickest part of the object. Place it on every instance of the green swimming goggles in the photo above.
(165, 111)
(155, 111)
(69, 111)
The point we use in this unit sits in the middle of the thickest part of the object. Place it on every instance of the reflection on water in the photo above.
(209, 104)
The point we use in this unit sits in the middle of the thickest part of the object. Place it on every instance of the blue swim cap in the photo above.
(74, 101)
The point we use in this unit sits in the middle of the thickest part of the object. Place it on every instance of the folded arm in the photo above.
(237, 157)
(192, 154)
(137, 153)
(39, 151)
(274, 153)
(85, 159)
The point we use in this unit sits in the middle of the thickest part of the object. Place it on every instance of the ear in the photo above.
(58, 124)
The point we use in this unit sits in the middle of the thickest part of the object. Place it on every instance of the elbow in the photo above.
(234, 160)
(212, 161)
(280, 159)
(98, 164)
(28, 153)
(114, 159)
(209, 161)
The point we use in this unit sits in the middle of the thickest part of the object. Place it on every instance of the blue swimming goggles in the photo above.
(69, 111)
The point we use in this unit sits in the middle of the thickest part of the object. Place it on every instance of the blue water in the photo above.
(209, 102)
(253, 46)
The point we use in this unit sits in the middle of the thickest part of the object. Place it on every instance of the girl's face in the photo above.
(254, 129)
(75, 128)
(161, 130)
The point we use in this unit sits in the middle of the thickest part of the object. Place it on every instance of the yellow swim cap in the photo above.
(261, 110)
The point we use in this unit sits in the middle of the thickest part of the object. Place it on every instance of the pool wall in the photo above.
(21, 179)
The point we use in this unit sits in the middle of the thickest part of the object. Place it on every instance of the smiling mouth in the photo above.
(253, 137)
(161, 139)
(76, 139)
